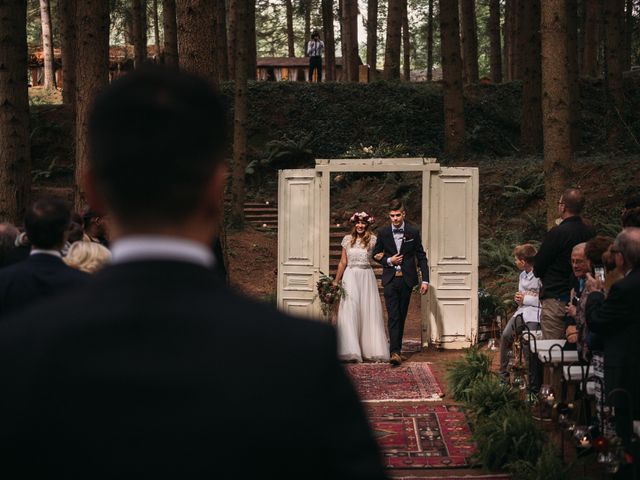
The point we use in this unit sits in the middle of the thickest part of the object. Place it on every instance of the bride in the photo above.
(360, 324)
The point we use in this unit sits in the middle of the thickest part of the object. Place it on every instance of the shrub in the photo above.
(462, 373)
(488, 397)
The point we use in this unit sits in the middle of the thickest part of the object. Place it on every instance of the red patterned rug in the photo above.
(411, 345)
(380, 382)
(421, 436)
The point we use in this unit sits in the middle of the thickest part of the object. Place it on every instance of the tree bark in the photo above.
(139, 13)
(572, 64)
(406, 44)
(239, 7)
(156, 30)
(628, 35)
(392, 46)
(329, 41)
(231, 38)
(67, 21)
(613, 16)
(452, 80)
(290, 36)
(92, 75)
(47, 45)
(221, 46)
(170, 33)
(252, 49)
(195, 20)
(430, 42)
(372, 35)
(305, 7)
(469, 41)
(558, 155)
(15, 160)
(531, 123)
(591, 39)
(350, 15)
(495, 52)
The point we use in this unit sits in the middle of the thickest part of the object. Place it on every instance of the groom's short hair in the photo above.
(396, 204)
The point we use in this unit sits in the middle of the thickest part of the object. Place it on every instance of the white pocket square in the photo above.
(410, 240)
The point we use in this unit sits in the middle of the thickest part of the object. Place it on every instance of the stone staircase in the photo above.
(261, 214)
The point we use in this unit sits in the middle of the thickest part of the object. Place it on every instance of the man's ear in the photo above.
(92, 192)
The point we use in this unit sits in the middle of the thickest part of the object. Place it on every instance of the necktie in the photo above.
(398, 230)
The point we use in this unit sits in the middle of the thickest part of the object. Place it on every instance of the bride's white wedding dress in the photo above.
(360, 324)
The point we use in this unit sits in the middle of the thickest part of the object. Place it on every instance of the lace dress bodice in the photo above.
(357, 255)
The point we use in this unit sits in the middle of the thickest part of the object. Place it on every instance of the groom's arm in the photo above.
(421, 257)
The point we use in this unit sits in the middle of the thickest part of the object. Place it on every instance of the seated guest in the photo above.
(95, 228)
(528, 301)
(631, 212)
(43, 273)
(580, 265)
(8, 234)
(20, 250)
(616, 320)
(87, 257)
(75, 232)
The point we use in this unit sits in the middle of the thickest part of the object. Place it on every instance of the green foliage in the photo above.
(497, 254)
(547, 466)
(526, 188)
(489, 397)
(508, 437)
(464, 372)
(51, 171)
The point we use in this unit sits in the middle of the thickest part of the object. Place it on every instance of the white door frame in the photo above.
(432, 318)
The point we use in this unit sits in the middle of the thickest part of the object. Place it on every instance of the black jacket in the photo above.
(411, 249)
(35, 278)
(553, 261)
(156, 369)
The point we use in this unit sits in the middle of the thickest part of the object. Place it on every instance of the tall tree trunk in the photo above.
(516, 24)
(139, 13)
(221, 47)
(350, 13)
(92, 75)
(47, 45)
(469, 40)
(495, 54)
(170, 33)
(231, 38)
(392, 46)
(613, 16)
(239, 7)
(195, 20)
(305, 6)
(67, 21)
(406, 44)
(430, 42)
(252, 49)
(506, 47)
(372, 35)
(15, 159)
(329, 41)
(628, 35)
(156, 30)
(452, 80)
(531, 123)
(572, 64)
(290, 36)
(555, 103)
(591, 39)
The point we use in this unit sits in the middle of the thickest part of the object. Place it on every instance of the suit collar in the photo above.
(155, 247)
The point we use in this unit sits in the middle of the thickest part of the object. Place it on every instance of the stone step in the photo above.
(258, 218)
(267, 211)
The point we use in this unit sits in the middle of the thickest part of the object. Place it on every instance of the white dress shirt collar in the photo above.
(53, 253)
(394, 228)
(158, 247)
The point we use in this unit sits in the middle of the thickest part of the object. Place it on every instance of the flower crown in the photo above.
(363, 217)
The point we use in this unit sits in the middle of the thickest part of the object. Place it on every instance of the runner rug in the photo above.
(379, 382)
(421, 436)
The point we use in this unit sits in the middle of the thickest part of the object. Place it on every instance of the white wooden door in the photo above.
(298, 237)
(453, 257)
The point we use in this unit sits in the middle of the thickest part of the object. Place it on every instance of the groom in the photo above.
(398, 249)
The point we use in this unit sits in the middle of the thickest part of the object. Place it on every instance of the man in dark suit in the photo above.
(156, 368)
(399, 249)
(43, 273)
(616, 320)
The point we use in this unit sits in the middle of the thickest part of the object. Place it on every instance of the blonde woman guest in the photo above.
(87, 257)
(360, 323)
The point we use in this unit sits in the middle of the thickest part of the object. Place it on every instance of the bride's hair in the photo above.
(366, 236)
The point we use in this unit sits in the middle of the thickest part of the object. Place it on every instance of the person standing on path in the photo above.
(315, 49)
(399, 248)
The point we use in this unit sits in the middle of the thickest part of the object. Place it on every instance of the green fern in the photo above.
(548, 466)
(488, 397)
(462, 373)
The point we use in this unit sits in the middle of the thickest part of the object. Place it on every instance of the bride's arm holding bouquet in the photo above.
(341, 266)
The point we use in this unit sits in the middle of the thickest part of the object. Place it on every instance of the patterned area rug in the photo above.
(421, 436)
(380, 382)
(411, 345)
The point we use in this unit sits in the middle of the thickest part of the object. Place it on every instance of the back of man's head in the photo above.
(156, 138)
(628, 243)
(573, 200)
(46, 222)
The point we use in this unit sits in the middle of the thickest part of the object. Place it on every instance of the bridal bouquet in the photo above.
(328, 293)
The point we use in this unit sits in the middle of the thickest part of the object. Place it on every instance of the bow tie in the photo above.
(398, 230)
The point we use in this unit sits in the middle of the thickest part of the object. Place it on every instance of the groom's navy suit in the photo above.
(398, 283)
